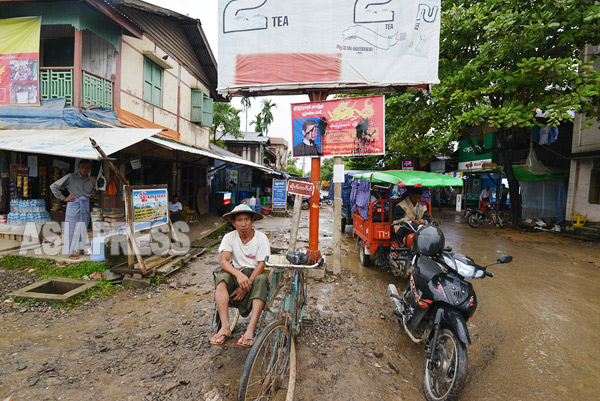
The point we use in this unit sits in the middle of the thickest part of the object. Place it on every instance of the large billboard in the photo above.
(268, 46)
(340, 127)
(19, 61)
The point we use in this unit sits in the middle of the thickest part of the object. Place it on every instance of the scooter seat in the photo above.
(425, 270)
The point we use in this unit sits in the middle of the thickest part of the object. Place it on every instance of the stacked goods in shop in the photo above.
(27, 211)
(113, 215)
(96, 214)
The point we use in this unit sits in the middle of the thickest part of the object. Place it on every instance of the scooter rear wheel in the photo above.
(473, 221)
(445, 380)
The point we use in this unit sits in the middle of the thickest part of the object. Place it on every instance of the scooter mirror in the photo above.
(505, 259)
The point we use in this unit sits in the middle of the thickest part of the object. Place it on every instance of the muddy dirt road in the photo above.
(535, 334)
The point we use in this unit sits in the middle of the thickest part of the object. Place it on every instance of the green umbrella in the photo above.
(409, 178)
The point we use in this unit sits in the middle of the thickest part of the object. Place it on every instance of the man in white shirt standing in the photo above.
(242, 281)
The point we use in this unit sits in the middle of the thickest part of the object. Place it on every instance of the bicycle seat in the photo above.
(297, 258)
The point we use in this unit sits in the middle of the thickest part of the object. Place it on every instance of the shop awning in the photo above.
(74, 142)
(209, 153)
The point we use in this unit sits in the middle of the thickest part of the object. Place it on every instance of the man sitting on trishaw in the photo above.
(242, 283)
(410, 210)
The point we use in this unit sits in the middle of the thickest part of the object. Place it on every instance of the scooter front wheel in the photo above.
(445, 380)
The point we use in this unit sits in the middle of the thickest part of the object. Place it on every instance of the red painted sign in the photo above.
(301, 188)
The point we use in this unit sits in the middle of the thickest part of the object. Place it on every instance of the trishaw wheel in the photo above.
(364, 259)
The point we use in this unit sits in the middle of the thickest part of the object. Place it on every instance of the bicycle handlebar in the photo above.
(290, 266)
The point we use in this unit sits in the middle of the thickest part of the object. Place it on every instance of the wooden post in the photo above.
(295, 223)
(77, 55)
(337, 221)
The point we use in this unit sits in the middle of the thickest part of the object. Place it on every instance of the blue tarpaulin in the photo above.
(346, 186)
(52, 114)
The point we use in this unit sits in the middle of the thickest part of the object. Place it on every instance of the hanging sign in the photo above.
(301, 188)
(269, 46)
(340, 127)
(19, 61)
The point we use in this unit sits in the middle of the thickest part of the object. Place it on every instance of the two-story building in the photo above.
(584, 184)
(145, 67)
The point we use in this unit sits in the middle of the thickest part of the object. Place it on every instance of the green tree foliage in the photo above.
(291, 166)
(500, 61)
(326, 169)
(264, 119)
(226, 120)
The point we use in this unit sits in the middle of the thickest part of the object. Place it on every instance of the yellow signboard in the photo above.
(19, 60)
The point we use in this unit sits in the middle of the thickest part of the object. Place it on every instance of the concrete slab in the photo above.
(54, 289)
(135, 282)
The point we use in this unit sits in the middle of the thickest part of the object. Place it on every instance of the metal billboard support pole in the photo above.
(315, 177)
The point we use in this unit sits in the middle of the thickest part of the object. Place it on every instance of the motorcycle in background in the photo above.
(434, 309)
(488, 215)
(305, 202)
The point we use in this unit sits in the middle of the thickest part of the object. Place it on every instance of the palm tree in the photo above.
(258, 123)
(266, 115)
(246, 103)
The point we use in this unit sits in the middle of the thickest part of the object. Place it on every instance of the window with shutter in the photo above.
(197, 103)
(207, 112)
(153, 77)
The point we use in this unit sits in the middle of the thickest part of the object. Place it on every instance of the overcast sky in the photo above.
(206, 12)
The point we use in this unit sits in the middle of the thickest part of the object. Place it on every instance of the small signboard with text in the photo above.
(408, 165)
(279, 194)
(149, 208)
(301, 188)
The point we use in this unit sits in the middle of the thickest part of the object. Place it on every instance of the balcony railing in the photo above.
(96, 91)
(57, 82)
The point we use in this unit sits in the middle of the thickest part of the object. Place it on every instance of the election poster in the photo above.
(19, 61)
(340, 127)
(268, 46)
(150, 208)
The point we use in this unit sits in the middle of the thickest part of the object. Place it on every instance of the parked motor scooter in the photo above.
(435, 307)
(305, 201)
(488, 215)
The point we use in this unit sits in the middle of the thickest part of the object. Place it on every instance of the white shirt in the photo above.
(174, 207)
(485, 194)
(244, 256)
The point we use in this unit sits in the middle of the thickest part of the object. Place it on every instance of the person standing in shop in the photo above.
(77, 217)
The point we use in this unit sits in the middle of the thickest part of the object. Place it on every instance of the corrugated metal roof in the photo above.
(248, 137)
(178, 35)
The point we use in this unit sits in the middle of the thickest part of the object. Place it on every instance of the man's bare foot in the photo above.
(220, 337)
(246, 340)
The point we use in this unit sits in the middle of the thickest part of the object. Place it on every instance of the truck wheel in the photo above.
(364, 259)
